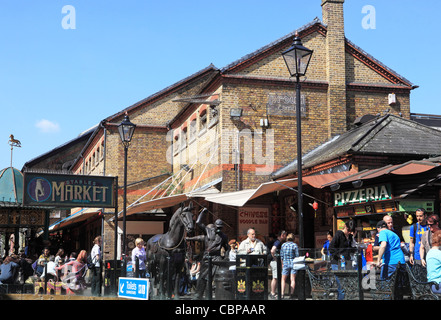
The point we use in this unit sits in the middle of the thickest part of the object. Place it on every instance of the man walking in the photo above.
(275, 249)
(416, 232)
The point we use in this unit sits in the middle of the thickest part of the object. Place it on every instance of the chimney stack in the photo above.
(332, 11)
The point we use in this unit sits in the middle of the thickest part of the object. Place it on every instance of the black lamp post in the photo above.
(126, 130)
(297, 59)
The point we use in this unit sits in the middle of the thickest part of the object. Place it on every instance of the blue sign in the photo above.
(133, 288)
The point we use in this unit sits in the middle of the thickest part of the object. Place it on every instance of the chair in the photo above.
(421, 290)
(321, 285)
(419, 272)
(384, 289)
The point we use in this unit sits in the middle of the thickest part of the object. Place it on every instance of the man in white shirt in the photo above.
(252, 245)
(96, 272)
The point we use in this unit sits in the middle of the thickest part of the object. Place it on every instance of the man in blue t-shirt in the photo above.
(416, 231)
(390, 250)
(275, 249)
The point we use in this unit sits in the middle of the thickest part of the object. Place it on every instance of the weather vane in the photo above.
(13, 143)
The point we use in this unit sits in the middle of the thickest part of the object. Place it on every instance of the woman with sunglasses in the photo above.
(426, 239)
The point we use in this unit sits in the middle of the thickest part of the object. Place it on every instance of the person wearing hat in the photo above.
(390, 250)
(214, 240)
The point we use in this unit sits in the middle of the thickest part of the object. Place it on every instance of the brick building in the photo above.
(228, 129)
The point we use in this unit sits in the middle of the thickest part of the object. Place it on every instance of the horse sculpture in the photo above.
(166, 252)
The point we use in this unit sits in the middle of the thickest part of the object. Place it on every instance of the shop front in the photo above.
(397, 191)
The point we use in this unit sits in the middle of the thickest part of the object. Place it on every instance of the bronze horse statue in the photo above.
(166, 252)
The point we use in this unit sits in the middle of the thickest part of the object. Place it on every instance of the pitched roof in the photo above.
(265, 48)
(81, 138)
(386, 135)
(210, 69)
(317, 25)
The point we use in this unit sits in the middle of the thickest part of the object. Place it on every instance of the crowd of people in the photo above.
(74, 271)
(77, 272)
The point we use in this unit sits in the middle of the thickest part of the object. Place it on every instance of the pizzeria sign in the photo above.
(362, 195)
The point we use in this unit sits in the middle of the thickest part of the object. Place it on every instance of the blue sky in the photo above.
(56, 83)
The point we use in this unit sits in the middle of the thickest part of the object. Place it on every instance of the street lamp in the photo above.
(126, 130)
(297, 59)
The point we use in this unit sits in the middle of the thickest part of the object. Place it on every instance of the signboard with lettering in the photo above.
(285, 104)
(61, 190)
(362, 195)
(254, 217)
(133, 288)
(412, 205)
(385, 207)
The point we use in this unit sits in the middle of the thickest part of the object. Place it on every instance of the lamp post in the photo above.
(126, 130)
(297, 59)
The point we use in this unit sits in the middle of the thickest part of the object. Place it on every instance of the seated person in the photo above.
(44, 258)
(51, 273)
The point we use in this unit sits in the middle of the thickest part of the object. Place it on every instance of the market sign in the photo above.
(61, 190)
(354, 196)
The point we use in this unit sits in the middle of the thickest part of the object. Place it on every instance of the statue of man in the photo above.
(214, 240)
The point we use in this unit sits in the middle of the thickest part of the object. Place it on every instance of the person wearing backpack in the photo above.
(416, 232)
(96, 267)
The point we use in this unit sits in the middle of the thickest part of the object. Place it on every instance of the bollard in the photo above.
(210, 279)
(45, 277)
(224, 281)
(279, 275)
(168, 289)
(360, 276)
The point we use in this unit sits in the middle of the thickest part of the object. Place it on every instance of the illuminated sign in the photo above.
(355, 196)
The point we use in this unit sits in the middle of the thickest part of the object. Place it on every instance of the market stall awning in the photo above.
(320, 180)
(78, 216)
(235, 198)
(158, 203)
(407, 168)
(240, 198)
(170, 201)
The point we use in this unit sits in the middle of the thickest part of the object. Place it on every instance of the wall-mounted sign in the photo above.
(254, 217)
(344, 212)
(60, 190)
(385, 207)
(412, 205)
(354, 196)
(285, 104)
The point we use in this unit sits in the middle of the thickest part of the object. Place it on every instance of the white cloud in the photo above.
(47, 126)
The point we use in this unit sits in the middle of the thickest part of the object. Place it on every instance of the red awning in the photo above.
(408, 168)
(320, 180)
